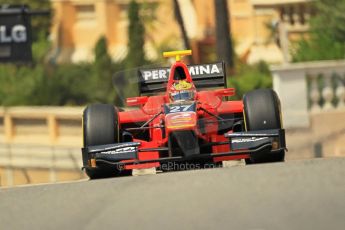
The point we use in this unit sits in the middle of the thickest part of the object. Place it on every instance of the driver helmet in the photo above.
(182, 90)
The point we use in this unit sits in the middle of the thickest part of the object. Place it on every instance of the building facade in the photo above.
(78, 24)
(292, 23)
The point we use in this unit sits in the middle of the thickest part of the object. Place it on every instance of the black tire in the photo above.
(262, 112)
(100, 126)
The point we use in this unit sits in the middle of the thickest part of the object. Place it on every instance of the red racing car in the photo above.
(180, 121)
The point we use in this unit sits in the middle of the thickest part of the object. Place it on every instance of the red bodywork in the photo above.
(211, 101)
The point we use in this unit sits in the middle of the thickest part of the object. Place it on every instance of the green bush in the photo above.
(318, 47)
(326, 39)
(67, 84)
(25, 85)
(250, 77)
(136, 37)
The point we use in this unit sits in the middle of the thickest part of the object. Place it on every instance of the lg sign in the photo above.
(16, 34)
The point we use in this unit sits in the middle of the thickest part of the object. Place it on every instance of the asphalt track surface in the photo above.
(292, 195)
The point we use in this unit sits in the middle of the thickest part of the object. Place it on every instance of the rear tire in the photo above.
(262, 112)
(100, 127)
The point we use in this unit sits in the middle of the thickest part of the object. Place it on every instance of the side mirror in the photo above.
(225, 92)
(135, 101)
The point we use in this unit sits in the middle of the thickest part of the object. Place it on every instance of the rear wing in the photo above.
(154, 80)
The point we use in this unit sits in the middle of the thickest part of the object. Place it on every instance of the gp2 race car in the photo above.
(179, 121)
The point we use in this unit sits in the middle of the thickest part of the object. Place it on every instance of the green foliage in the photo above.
(103, 70)
(250, 77)
(318, 47)
(101, 53)
(126, 82)
(66, 84)
(16, 86)
(69, 84)
(136, 37)
(40, 48)
(330, 19)
(327, 34)
(36, 85)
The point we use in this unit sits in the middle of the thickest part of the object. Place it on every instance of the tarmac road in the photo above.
(292, 195)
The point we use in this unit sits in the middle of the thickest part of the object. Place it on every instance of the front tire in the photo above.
(262, 112)
(100, 127)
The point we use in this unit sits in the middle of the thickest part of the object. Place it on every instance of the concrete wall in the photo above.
(50, 126)
(309, 88)
(40, 145)
(325, 137)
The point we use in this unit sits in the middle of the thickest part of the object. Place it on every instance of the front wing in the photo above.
(241, 144)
